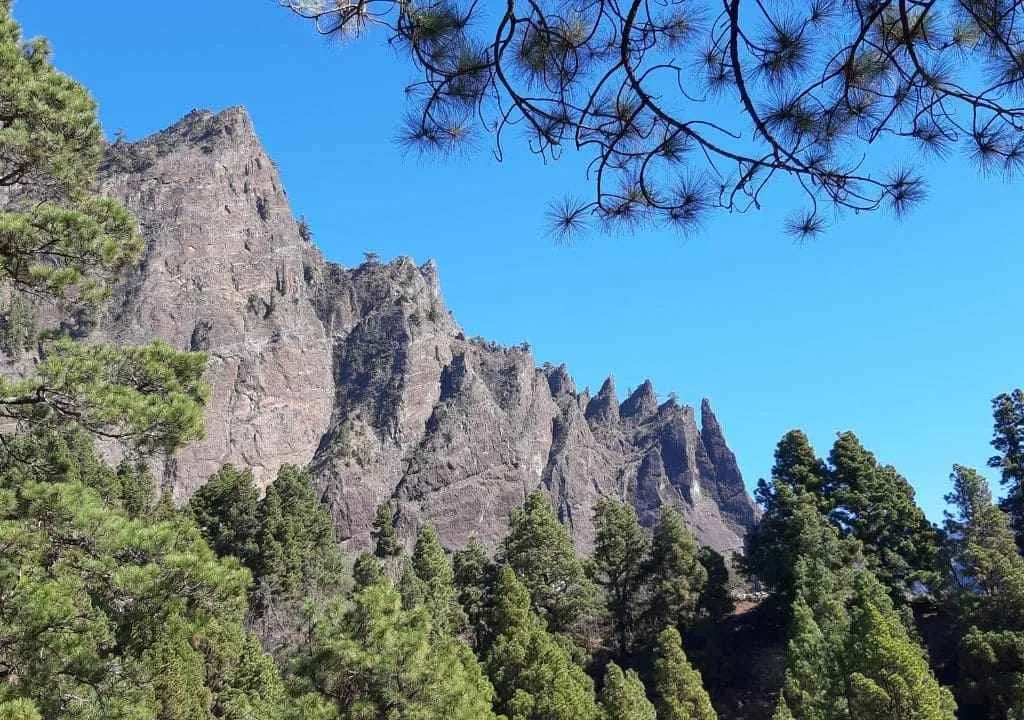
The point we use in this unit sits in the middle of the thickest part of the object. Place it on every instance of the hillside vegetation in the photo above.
(116, 604)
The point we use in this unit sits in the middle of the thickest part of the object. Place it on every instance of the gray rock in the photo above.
(362, 373)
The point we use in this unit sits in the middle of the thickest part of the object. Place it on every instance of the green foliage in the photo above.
(862, 499)
(789, 503)
(538, 548)
(621, 549)
(61, 245)
(850, 655)
(674, 576)
(105, 616)
(434, 571)
(983, 547)
(367, 570)
(18, 325)
(20, 709)
(623, 696)
(813, 687)
(410, 587)
(887, 672)
(297, 550)
(225, 509)
(990, 603)
(715, 603)
(384, 532)
(533, 674)
(57, 239)
(852, 658)
(47, 452)
(678, 688)
(1008, 441)
(150, 395)
(473, 576)
(286, 538)
(374, 659)
(876, 505)
(52, 137)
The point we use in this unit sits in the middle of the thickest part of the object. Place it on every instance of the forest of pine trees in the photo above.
(115, 604)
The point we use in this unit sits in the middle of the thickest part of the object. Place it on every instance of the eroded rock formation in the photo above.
(363, 374)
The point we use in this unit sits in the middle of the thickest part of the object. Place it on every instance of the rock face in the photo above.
(364, 375)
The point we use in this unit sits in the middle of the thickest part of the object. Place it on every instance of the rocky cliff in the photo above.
(363, 374)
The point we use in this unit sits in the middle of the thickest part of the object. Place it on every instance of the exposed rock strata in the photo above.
(363, 374)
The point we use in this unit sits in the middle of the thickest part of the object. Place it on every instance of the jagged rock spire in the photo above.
(731, 492)
(603, 408)
(641, 403)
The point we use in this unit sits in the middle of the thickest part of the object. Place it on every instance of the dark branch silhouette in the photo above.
(684, 106)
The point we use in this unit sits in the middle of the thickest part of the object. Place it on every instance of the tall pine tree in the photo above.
(533, 674)
(623, 696)
(621, 551)
(989, 573)
(373, 658)
(1008, 441)
(538, 548)
(678, 689)
(225, 508)
(876, 505)
(673, 575)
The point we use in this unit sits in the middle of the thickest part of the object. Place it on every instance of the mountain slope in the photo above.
(363, 374)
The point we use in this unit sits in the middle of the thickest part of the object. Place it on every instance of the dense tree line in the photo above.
(116, 604)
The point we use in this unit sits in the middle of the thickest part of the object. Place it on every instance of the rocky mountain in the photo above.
(363, 374)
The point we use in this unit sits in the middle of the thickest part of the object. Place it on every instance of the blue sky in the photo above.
(902, 332)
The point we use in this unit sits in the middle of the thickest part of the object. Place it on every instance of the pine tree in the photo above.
(990, 574)
(47, 451)
(715, 602)
(876, 505)
(983, 545)
(673, 576)
(887, 671)
(533, 674)
(297, 550)
(109, 616)
(791, 503)
(623, 696)
(798, 467)
(538, 548)
(473, 576)
(434, 571)
(621, 550)
(225, 508)
(367, 570)
(813, 688)
(112, 608)
(384, 534)
(65, 246)
(850, 655)
(1008, 441)
(678, 688)
(410, 587)
(375, 659)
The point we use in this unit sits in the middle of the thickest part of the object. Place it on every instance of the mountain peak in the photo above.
(603, 408)
(344, 370)
(641, 403)
(216, 134)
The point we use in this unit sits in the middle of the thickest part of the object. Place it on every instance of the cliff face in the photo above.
(364, 375)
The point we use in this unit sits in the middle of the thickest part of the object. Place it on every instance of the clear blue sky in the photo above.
(901, 332)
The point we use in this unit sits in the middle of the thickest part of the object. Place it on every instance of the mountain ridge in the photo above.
(363, 374)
